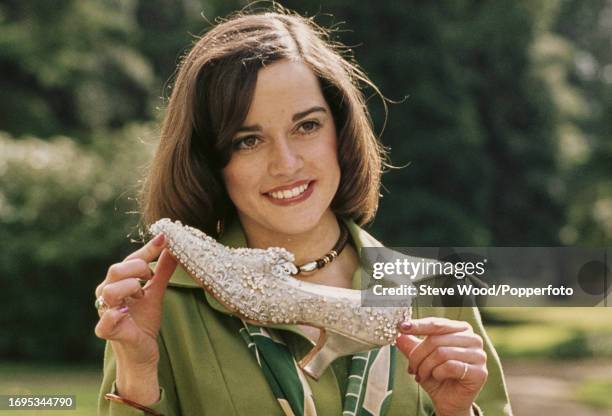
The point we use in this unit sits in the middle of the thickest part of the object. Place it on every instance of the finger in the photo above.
(431, 343)
(443, 354)
(406, 343)
(149, 251)
(475, 374)
(433, 326)
(164, 269)
(114, 294)
(107, 325)
(130, 268)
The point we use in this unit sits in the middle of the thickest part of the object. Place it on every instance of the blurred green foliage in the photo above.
(502, 117)
(64, 217)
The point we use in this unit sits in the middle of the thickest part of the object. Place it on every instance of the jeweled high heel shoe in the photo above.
(257, 286)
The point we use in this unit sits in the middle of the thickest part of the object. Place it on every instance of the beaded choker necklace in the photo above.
(319, 263)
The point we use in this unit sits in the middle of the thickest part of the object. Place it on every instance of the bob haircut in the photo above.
(210, 100)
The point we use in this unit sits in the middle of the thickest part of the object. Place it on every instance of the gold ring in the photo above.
(465, 370)
(101, 305)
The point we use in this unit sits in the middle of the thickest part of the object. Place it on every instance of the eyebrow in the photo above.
(296, 117)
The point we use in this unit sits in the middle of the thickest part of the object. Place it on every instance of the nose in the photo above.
(285, 158)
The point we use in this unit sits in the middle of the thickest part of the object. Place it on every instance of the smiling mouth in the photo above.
(289, 193)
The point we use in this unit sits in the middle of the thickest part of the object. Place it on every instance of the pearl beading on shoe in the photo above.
(257, 285)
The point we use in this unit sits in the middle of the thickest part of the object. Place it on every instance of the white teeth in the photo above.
(290, 193)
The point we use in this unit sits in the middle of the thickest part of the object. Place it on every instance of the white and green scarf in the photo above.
(370, 379)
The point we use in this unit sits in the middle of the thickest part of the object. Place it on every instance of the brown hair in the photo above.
(210, 99)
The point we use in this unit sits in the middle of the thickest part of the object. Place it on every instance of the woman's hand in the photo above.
(449, 362)
(133, 318)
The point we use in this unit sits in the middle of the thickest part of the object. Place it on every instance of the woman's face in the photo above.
(284, 172)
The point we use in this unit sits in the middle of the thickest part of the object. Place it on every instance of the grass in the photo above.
(83, 382)
(596, 393)
(550, 332)
(587, 319)
(527, 340)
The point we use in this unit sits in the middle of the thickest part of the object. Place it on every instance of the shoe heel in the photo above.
(330, 346)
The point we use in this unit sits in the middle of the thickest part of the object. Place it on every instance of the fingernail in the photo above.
(405, 326)
(158, 240)
(124, 309)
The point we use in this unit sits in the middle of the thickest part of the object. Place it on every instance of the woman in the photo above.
(267, 142)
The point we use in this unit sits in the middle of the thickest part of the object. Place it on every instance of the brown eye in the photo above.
(246, 143)
(309, 126)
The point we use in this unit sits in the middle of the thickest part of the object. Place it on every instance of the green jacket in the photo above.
(206, 368)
